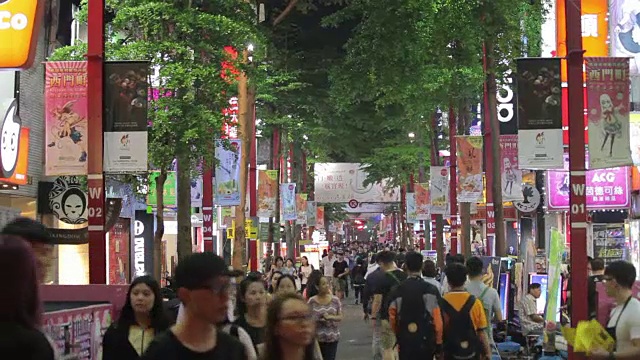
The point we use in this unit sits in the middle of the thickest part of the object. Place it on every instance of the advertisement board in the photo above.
(343, 182)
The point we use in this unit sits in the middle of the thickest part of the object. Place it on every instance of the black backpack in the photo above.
(461, 340)
(416, 335)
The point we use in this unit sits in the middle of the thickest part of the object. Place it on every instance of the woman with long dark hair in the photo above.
(290, 329)
(142, 318)
(327, 311)
(251, 308)
(305, 270)
(312, 284)
(20, 306)
(285, 284)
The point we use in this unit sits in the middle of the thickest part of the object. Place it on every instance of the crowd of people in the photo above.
(290, 312)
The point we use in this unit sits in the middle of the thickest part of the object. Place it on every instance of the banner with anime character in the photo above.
(511, 175)
(65, 95)
(423, 201)
(470, 184)
(608, 109)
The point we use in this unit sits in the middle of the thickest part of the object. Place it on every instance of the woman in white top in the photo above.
(305, 271)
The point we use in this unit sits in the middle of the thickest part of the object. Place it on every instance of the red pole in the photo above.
(95, 183)
(577, 201)
(207, 208)
(435, 160)
(453, 180)
(253, 192)
(488, 158)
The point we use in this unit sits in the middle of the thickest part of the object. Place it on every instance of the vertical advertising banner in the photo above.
(125, 116)
(142, 246)
(539, 114)
(423, 201)
(288, 201)
(119, 243)
(65, 95)
(470, 184)
(555, 275)
(511, 174)
(312, 213)
(301, 209)
(625, 27)
(227, 186)
(410, 201)
(267, 193)
(320, 218)
(439, 188)
(608, 108)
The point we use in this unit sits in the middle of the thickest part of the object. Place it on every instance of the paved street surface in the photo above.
(355, 335)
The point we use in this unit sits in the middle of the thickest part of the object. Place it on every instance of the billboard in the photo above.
(342, 182)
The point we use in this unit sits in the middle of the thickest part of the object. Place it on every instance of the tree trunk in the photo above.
(183, 176)
(159, 233)
(496, 186)
(465, 208)
(439, 240)
(244, 134)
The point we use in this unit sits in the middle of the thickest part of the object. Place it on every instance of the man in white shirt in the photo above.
(624, 321)
(532, 323)
(327, 265)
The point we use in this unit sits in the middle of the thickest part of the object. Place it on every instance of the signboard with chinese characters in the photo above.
(605, 188)
(230, 123)
(343, 182)
(595, 30)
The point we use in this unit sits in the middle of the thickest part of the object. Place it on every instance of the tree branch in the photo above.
(285, 12)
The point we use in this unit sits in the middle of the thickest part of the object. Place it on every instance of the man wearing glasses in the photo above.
(203, 285)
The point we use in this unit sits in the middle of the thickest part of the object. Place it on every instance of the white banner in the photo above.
(439, 186)
(540, 149)
(125, 152)
(343, 182)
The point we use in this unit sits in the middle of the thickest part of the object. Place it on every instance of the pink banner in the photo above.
(511, 174)
(470, 184)
(320, 218)
(423, 201)
(608, 108)
(66, 118)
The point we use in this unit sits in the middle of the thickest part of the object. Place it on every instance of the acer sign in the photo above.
(19, 26)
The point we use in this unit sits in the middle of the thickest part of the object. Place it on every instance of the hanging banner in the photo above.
(142, 245)
(423, 201)
(555, 275)
(119, 238)
(196, 191)
(623, 19)
(439, 188)
(410, 201)
(608, 87)
(169, 190)
(312, 212)
(301, 209)
(288, 201)
(227, 185)
(65, 96)
(470, 185)
(511, 174)
(539, 114)
(267, 193)
(125, 116)
(320, 218)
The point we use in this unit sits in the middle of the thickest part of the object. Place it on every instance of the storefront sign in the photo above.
(507, 106)
(531, 199)
(19, 26)
(142, 247)
(68, 200)
(14, 145)
(605, 188)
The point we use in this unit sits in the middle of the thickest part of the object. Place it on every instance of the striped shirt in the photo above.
(327, 331)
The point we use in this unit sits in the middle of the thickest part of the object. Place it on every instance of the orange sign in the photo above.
(595, 30)
(19, 26)
(19, 176)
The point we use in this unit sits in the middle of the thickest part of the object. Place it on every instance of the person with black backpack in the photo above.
(464, 318)
(414, 314)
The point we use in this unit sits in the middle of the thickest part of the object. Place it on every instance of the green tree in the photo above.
(184, 41)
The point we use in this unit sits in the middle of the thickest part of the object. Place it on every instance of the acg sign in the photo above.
(507, 107)
(19, 25)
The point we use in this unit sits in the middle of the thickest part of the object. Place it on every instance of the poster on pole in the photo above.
(470, 184)
(119, 243)
(288, 201)
(608, 87)
(423, 201)
(410, 201)
(312, 212)
(439, 188)
(227, 185)
(301, 209)
(125, 116)
(320, 218)
(65, 95)
(539, 114)
(511, 174)
(267, 193)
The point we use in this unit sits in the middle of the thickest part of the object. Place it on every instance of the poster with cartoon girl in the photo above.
(470, 183)
(511, 174)
(66, 118)
(608, 109)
